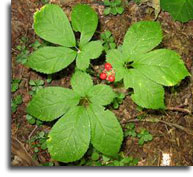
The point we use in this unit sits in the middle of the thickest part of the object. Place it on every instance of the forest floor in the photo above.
(173, 135)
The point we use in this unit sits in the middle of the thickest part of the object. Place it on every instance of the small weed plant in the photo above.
(33, 121)
(15, 102)
(108, 40)
(144, 135)
(36, 85)
(38, 142)
(113, 7)
(95, 158)
(15, 84)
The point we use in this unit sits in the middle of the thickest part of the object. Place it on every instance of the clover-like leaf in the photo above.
(181, 10)
(146, 71)
(51, 59)
(85, 21)
(51, 24)
(70, 137)
(51, 103)
(91, 50)
(106, 132)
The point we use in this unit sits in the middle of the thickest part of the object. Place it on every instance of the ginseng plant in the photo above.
(144, 70)
(52, 25)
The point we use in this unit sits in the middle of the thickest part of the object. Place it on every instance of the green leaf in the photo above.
(107, 11)
(106, 132)
(181, 10)
(106, 2)
(52, 102)
(69, 138)
(31, 120)
(141, 141)
(95, 156)
(15, 85)
(18, 100)
(112, 45)
(142, 37)
(101, 94)
(115, 104)
(107, 34)
(105, 158)
(81, 82)
(120, 10)
(13, 107)
(114, 11)
(162, 66)
(147, 93)
(51, 59)
(41, 134)
(85, 21)
(51, 24)
(117, 2)
(44, 146)
(91, 50)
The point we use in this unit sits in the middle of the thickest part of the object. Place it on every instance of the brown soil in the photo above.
(167, 139)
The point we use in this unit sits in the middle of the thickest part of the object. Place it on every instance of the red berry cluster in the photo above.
(108, 73)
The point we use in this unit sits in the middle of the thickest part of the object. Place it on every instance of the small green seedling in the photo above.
(118, 100)
(144, 136)
(143, 70)
(108, 40)
(33, 121)
(36, 86)
(130, 130)
(113, 7)
(23, 51)
(52, 25)
(15, 102)
(95, 158)
(49, 78)
(121, 160)
(15, 85)
(83, 118)
(38, 142)
(23, 48)
(36, 45)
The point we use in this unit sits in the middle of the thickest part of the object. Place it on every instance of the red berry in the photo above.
(111, 78)
(108, 66)
(103, 76)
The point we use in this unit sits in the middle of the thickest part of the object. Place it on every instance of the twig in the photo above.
(155, 120)
(178, 109)
(32, 132)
